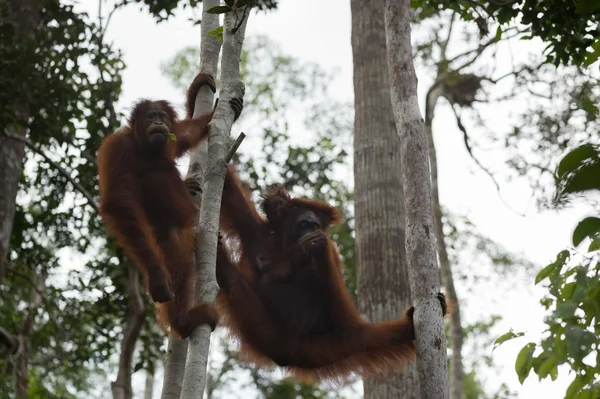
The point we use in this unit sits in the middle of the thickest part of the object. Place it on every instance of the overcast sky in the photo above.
(319, 31)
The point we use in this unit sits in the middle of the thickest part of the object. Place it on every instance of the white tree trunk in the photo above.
(420, 232)
(209, 59)
(234, 29)
(149, 385)
(456, 332)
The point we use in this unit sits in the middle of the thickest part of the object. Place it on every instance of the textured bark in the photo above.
(194, 379)
(420, 234)
(209, 59)
(174, 368)
(25, 16)
(456, 332)
(383, 288)
(121, 387)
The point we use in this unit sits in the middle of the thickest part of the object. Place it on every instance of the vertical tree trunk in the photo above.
(456, 333)
(219, 155)
(121, 387)
(383, 288)
(420, 236)
(20, 358)
(24, 15)
(149, 385)
(209, 58)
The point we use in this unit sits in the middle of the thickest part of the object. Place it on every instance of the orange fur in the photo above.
(298, 313)
(148, 209)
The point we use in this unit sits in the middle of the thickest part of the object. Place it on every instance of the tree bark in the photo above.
(209, 58)
(383, 288)
(24, 15)
(456, 332)
(234, 29)
(149, 385)
(420, 236)
(121, 387)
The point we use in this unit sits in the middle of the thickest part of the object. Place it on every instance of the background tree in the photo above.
(383, 286)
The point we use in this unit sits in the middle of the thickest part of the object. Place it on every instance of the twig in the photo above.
(234, 147)
(24, 277)
(59, 168)
(466, 140)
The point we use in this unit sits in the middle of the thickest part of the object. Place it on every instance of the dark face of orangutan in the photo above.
(157, 127)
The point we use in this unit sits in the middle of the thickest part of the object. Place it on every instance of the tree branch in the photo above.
(9, 340)
(56, 166)
(121, 387)
(467, 142)
(234, 29)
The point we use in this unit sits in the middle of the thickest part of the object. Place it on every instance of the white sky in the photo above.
(319, 31)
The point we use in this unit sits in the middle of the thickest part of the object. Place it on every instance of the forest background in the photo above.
(298, 118)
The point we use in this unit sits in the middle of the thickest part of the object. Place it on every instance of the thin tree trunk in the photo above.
(383, 288)
(234, 29)
(24, 15)
(456, 332)
(149, 385)
(20, 358)
(420, 236)
(121, 387)
(174, 368)
(209, 58)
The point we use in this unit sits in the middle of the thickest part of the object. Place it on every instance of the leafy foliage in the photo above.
(163, 9)
(573, 300)
(69, 79)
(571, 28)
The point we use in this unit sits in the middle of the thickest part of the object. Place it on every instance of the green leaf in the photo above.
(592, 56)
(219, 10)
(567, 291)
(554, 267)
(549, 364)
(217, 32)
(172, 137)
(524, 361)
(595, 244)
(498, 33)
(588, 227)
(575, 387)
(506, 337)
(229, 2)
(574, 159)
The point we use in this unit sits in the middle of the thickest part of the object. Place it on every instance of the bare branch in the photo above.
(234, 147)
(34, 303)
(9, 340)
(24, 277)
(444, 44)
(121, 387)
(59, 168)
(467, 142)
